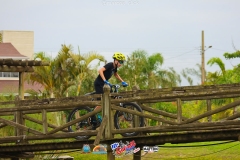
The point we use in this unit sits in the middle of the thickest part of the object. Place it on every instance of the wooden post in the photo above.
(107, 111)
(100, 131)
(21, 86)
(19, 120)
(44, 121)
(209, 108)
(137, 155)
(179, 110)
(18, 117)
(136, 118)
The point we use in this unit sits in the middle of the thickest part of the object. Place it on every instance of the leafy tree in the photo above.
(223, 77)
(62, 69)
(145, 71)
(82, 70)
(232, 55)
(44, 75)
(68, 72)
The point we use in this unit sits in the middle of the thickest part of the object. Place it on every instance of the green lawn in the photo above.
(193, 151)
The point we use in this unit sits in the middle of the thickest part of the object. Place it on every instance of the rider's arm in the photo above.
(118, 77)
(100, 71)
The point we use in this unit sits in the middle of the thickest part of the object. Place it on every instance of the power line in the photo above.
(180, 54)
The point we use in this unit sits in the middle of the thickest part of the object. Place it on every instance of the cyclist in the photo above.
(105, 73)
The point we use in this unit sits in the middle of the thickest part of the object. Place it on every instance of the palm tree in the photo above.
(82, 68)
(62, 70)
(44, 75)
(65, 71)
(218, 77)
(145, 71)
(223, 77)
(188, 72)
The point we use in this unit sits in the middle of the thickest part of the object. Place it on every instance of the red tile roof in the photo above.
(7, 50)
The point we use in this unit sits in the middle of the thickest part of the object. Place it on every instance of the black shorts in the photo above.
(98, 87)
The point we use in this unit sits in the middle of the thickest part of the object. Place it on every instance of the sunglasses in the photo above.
(121, 62)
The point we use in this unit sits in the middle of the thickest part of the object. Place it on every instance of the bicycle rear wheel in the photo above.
(82, 125)
(124, 120)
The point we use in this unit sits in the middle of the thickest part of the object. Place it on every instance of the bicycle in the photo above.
(121, 119)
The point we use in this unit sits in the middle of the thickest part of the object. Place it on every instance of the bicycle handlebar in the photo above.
(115, 87)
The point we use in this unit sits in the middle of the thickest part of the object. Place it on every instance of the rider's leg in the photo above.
(98, 90)
(95, 120)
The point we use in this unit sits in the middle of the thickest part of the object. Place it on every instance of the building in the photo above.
(17, 45)
(23, 41)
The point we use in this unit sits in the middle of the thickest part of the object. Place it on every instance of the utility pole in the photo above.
(203, 60)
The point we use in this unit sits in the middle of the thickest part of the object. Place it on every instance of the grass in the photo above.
(201, 151)
(192, 151)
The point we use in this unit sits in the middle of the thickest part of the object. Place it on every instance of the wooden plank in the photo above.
(41, 122)
(200, 97)
(47, 137)
(107, 110)
(232, 117)
(106, 104)
(44, 121)
(52, 106)
(191, 88)
(16, 69)
(181, 128)
(205, 94)
(208, 113)
(143, 115)
(159, 112)
(209, 108)
(100, 132)
(179, 110)
(21, 86)
(19, 126)
(11, 62)
(75, 121)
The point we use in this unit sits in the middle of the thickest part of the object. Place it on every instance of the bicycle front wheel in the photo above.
(82, 125)
(124, 120)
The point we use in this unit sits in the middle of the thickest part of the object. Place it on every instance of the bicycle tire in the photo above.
(85, 123)
(118, 115)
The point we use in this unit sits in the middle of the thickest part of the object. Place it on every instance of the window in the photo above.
(9, 74)
(15, 74)
(6, 74)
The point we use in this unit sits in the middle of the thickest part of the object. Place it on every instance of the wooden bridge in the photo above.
(170, 128)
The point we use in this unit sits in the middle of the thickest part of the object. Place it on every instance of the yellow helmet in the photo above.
(119, 56)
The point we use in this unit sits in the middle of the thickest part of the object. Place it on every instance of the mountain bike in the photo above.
(121, 119)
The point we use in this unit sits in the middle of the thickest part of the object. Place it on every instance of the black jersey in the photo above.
(110, 70)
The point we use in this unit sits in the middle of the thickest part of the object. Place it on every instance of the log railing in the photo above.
(174, 122)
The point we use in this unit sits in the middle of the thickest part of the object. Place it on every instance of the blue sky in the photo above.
(170, 27)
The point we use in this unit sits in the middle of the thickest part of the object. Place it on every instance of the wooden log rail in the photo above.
(60, 106)
(5, 68)
(182, 128)
(11, 62)
(175, 122)
(183, 96)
